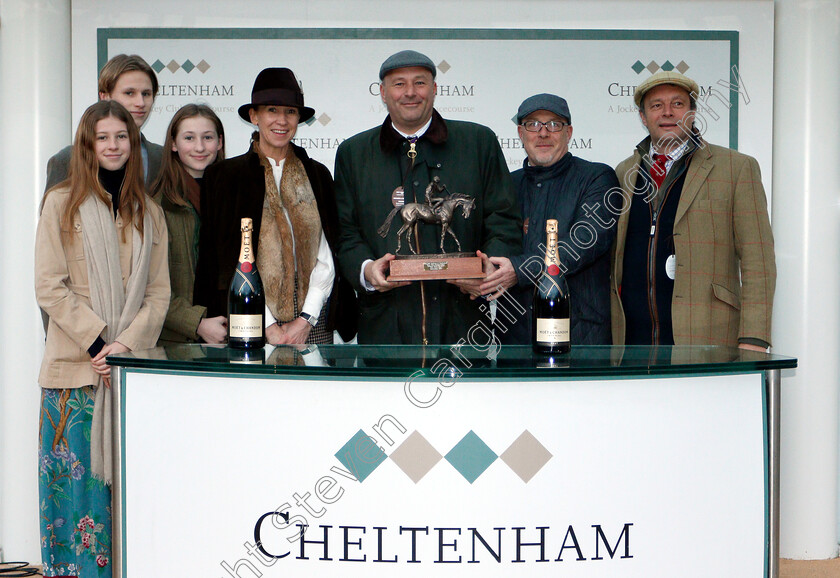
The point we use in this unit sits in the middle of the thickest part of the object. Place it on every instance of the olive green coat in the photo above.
(183, 317)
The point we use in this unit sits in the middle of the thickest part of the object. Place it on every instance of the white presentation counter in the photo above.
(437, 461)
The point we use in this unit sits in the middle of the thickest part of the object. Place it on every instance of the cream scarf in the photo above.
(276, 261)
(116, 306)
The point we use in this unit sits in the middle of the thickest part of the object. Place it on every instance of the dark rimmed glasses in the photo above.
(550, 126)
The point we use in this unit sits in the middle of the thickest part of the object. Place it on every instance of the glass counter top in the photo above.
(439, 361)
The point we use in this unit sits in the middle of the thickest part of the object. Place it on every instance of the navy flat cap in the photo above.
(549, 102)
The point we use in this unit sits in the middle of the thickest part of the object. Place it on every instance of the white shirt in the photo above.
(323, 273)
(368, 287)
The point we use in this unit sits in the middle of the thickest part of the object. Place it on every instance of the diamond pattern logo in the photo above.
(360, 455)
(187, 66)
(526, 456)
(416, 457)
(471, 456)
(667, 66)
(324, 119)
(444, 66)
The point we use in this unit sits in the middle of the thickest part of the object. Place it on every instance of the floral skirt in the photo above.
(75, 507)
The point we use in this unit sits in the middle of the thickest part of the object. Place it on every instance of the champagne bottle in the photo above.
(246, 301)
(551, 324)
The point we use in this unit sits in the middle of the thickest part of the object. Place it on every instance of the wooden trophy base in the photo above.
(436, 267)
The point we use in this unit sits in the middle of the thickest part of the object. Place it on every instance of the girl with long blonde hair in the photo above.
(101, 275)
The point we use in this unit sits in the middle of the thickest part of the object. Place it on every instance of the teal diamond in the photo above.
(638, 67)
(158, 66)
(188, 66)
(360, 455)
(667, 66)
(471, 457)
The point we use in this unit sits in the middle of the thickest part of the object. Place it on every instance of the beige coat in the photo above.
(726, 268)
(61, 288)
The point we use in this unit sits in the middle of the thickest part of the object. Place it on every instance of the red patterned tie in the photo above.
(657, 170)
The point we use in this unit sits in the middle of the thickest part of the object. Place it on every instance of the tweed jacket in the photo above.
(59, 164)
(183, 317)
(235, 188)
(725, 261)
(369, 167)
(61, 288)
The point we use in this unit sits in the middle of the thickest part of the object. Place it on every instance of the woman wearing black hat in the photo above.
(291, 201)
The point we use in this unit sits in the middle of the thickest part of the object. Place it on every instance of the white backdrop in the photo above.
(583, 52)
(482, 77)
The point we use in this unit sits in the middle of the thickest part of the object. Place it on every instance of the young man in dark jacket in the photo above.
(553, 184)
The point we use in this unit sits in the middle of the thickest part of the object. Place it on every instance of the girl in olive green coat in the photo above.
(194, 141)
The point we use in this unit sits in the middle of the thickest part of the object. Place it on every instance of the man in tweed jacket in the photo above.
(693, 261)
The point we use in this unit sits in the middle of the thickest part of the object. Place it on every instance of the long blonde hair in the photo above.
(172, 181)
(83, 176)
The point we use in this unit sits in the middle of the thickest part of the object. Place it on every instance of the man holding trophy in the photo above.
(380, 170)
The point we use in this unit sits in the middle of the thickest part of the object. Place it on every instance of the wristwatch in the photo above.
(313, 321)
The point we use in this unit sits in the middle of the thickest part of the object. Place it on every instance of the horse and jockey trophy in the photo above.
(436, 210)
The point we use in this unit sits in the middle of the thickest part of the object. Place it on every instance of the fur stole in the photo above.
(276, 259)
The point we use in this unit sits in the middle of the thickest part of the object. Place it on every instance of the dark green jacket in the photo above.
(183, 317)
(369, 166)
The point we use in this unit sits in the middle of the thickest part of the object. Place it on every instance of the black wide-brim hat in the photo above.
(277, 86)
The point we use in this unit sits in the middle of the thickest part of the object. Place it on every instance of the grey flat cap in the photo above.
(405, 59)
(549, 102)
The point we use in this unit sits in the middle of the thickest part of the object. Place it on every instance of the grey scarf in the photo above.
(116, 306)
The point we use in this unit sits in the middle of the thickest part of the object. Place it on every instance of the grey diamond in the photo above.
(444, 66)
(202, 66)
(324, 119)
(158, 66)
(526, 456)
(682, 67)
(173, 66)
(188, 66)
(653, 67)
(415, 456)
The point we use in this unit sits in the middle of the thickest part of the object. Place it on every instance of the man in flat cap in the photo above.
(383, 167)
(554, 184)
(693, 260)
